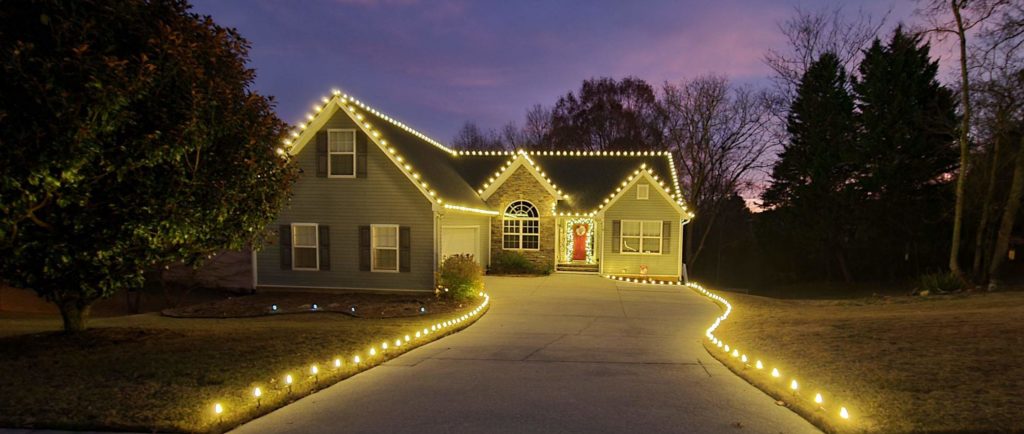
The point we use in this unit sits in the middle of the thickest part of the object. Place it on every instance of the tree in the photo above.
(810, 34)
(717, 133)
(1002, 48)
(471, 138)
(811, 177)
(907, 123)
(977, 12)
(537, 128)
(131, 139)
(607, 115)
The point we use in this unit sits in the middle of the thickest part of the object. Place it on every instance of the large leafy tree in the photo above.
(131, 140)
(810, 179)
(607, 114)
(906, 147)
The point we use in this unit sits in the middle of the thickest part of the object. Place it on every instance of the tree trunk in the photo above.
(75, 313)
(986, 205)
(843, 268)
(692, 259)
(1009, 216)
(965, 123)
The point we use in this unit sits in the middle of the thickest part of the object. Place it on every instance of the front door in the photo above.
(579, 241)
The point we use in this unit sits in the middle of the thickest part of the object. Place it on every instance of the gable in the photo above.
(382, 182)
(423, 161)
(659, 197)
(520, 163)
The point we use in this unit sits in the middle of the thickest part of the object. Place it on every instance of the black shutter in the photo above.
(616, 234)
(321, 154)
(666, 237)
(361, 155)
(404, 248)
(324, 236)
(285, 233)
(364, 248)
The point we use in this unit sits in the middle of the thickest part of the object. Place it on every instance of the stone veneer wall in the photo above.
(522, 185)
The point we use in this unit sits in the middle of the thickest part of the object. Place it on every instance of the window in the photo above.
(305, 247)
(341, 153)
(643, 191)
(521, 227)
(641, 237)
(384, 248)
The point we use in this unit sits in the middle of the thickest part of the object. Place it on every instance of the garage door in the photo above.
(459, 240)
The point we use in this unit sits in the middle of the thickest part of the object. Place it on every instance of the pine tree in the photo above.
(905, 149)
(810, 179)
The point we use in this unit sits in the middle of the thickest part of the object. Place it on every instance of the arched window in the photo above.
(521, 227)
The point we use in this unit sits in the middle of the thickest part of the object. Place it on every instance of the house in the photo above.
(378, 206)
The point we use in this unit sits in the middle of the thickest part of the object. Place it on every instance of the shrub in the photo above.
(939, 282)
(514, 263)
(462, 276)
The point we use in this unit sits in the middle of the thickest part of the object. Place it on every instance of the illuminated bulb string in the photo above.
(314, 370)
(843, 413)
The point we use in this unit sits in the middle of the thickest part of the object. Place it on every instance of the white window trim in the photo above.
(643, 191)
(355, 146)
(641, 237)
(316, 245)
(520, 233)
(374, 248)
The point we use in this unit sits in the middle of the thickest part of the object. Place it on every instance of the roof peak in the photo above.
(344, 98)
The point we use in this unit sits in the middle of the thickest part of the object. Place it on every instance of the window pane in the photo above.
(304, 236)
(305, 257)
(385, 237)
(531, 227)
(630, 244)
(512, 226)
(652, 245)
(341, 141)
(341, 164)
(531, 242)
(511, 242)
(385, 259)
(652, 228)
(630, 228)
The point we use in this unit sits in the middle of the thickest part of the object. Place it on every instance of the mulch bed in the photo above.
(359, 305)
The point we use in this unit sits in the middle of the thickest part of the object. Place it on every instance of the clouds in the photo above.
(435, 64)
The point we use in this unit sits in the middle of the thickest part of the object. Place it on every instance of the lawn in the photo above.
(153, 373)
(900, 364)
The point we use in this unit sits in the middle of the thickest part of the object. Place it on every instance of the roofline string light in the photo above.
(508, 164)
(259, 395)
(842, 412)
(349, 103)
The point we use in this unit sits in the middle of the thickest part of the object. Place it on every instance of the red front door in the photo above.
(579, 241)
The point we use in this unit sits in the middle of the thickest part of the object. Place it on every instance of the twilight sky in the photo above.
(435, 64)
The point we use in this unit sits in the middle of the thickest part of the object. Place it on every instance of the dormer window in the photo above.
(341, 153)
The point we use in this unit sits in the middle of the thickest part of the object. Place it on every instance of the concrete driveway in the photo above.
(565, 353)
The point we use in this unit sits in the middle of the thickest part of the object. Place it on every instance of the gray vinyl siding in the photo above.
(628, 207)
(384, 196)
(483, 222)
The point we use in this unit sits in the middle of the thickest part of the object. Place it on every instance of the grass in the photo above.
(153, 373)
(900, 364)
